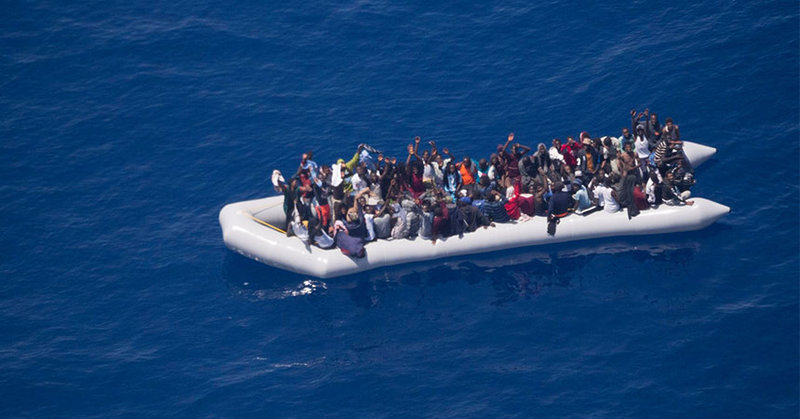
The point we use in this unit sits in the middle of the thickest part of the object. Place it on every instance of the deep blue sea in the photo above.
(126, 126)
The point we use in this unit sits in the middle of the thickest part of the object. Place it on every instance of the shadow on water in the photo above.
(514, 274)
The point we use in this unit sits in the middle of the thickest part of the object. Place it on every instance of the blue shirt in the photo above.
(582, 196)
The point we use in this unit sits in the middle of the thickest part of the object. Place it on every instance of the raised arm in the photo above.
(447, 153)
(508, 141)
(434, 152)
(411, 152)
(525, 149)
(351, 165)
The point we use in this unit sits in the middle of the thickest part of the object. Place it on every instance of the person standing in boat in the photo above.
(557, 207)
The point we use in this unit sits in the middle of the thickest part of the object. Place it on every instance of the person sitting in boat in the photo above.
(484, 186)
(554, 152)
(671, 131)
(399, 222)
(527, 200)
(347, 244)
(626, 138)
(671, 194)
(494, 208)
(354, 217)
(512, 202)
(452, 182)
(606, 195)
(441, 221)
(472, 216)
(639, 197)
(540, 206)
(583, 204)
(567, 175)
(485, 169)
(667, 155)
(570, 150)
(467, 168)
(497, 168)
(528, 171)
(610, 163)
(653, 189)
(426, 221)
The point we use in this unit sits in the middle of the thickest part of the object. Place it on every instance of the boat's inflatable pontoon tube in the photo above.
(244, 235)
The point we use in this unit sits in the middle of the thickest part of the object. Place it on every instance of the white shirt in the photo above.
(358, 183)
(607, 201)
(555, 154)
(641, 147)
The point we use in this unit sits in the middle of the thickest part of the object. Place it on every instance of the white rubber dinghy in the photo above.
(243, 233)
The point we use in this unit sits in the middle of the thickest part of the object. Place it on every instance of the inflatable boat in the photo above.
(245, 229)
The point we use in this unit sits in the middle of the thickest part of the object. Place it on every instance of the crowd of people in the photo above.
(435, 194)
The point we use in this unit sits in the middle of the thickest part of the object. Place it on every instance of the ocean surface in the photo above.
(126, 126)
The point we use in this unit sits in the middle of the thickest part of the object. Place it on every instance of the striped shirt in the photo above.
(661, 151)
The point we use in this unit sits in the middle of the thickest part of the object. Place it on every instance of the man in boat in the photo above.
(671, 194)
(583, 205)
(558, 207)
(626, 138)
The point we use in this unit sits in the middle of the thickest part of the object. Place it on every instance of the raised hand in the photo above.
(417, 140)
(380, 157)
(510, 137)
(410, 150)
(432, 143)
(446, 151)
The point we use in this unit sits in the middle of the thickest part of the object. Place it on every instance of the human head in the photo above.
(626, 133)
(467, 162)
(556, 143)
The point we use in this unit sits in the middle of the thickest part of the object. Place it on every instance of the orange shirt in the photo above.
(467, 178)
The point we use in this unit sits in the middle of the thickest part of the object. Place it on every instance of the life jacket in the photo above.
(467, 178)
